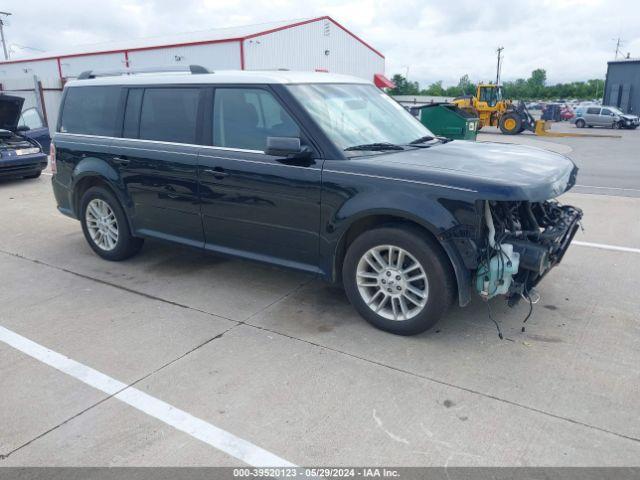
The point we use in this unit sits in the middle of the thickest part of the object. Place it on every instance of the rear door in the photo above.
(157, 159)
(592, 116)
(257, 205)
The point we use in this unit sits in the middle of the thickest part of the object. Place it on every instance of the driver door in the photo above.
(256, 205)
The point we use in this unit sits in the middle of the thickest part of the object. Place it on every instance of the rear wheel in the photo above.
(398, 280)
(105, 225)
(580, 123)
(511, 124)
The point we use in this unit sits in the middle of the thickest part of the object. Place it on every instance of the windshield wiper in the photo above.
(375, 147)
(418, 142)
(422, 140)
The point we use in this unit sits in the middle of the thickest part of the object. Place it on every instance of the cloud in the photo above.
(571, 39)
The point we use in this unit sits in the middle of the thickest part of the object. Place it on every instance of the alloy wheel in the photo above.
(392, 282)
(102, 224)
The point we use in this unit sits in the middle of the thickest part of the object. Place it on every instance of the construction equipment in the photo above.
(512, 119)
(492, 110)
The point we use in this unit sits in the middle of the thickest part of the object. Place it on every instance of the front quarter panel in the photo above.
(351, 193)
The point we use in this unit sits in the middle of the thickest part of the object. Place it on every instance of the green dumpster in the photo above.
(447, 120)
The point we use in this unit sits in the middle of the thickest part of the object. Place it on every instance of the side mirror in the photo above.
(289, 147)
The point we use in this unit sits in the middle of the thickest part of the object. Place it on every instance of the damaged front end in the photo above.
(520, 242)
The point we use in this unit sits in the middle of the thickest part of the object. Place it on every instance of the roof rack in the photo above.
(193, 69)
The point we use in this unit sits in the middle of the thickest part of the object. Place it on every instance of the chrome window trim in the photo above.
(402, 180)
(243, 150)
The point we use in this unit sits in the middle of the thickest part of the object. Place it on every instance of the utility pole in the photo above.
(499, 51)
(4, 43)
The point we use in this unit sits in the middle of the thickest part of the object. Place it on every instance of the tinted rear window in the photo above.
(169, 114)
(91, 111)
(593, 111)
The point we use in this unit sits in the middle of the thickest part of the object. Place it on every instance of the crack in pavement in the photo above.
(341, 352)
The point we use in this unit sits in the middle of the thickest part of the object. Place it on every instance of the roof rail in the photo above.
(193, 69)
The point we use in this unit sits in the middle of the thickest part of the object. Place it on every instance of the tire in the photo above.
(98, 206)
(33, 175)
(510, 124)
(438, 289)
(580, 123)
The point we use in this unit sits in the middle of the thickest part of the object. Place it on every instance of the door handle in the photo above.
(217, 172)
(120, 160)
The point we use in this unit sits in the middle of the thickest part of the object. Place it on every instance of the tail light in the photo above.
(52, 157)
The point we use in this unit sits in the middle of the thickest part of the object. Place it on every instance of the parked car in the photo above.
(317, 172)
(21, 156)
(612, 117)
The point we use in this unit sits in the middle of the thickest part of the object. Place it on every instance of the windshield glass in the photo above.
(352, 114)
(615, 110)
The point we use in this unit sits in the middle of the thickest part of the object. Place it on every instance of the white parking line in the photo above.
(604, 246)
(179, 419)
(611, 188)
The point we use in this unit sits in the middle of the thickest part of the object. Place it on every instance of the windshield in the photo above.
(353, 115)
(615, 110)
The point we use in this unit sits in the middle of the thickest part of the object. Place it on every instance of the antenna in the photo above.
(499, 51)
(619, 43)
(4, 43)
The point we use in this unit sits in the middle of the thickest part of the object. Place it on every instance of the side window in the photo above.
(593, 111)
(245, 117)
(31, 118)
(90, 111)
(169, 114)
(131, 123)
(606, 111)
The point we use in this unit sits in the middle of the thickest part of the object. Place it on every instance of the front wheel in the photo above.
(511, 124)
(105, 225)
(398, 280)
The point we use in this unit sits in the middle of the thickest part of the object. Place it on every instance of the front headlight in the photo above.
(27, 151)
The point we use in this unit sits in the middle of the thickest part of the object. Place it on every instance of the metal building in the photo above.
(319, 44)
(622, 85)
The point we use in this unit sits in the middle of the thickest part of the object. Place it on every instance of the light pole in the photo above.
(4, 43)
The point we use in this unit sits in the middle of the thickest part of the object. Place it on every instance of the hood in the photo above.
(10, 110)
(489, 171)
(629, 117)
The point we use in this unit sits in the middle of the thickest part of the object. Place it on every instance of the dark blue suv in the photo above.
(317, 172)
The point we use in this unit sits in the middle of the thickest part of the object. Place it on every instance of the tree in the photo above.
(403, 86)
(435, 89)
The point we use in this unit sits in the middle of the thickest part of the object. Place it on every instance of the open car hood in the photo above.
(10, 110)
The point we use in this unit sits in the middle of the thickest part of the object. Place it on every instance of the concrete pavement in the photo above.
(282, 360)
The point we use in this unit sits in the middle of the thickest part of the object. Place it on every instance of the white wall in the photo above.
(42, 68)
(74, 66)
(220, 56)
(303, 48)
